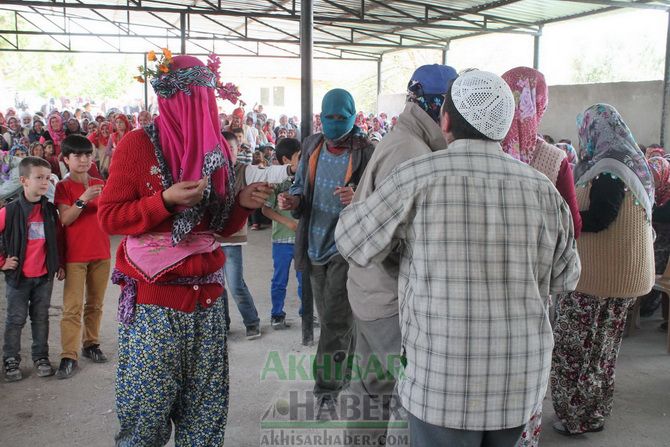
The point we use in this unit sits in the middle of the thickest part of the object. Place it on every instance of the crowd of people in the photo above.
(441, 238)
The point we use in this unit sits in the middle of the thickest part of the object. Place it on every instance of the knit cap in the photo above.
(485, 101)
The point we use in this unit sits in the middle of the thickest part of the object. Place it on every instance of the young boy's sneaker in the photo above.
(12, 371)
(279, 323)
(44, 368)
(94, 353)
(253, 332)
(67, 368)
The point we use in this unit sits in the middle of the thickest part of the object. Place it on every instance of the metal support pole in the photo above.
(536, 49)
(306, 57)
(146, 87)
(306, 103)
(182, 27)
(665, 112)
(445, 51)
(379, 75)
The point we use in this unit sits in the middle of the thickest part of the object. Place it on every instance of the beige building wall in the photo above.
(638, 102)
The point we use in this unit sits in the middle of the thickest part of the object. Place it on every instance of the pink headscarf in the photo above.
(189, 130)
(531, 97)
(57, 136)
(660, 169)
(654, 151)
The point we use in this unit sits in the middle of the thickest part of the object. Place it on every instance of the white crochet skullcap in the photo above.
(485, 101)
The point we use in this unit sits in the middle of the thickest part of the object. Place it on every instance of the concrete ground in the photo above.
(80, 411)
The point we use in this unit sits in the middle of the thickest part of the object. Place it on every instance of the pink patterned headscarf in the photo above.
(654, 151)
(189, 131)
(531, 97)
(57, 136)
(660, 169)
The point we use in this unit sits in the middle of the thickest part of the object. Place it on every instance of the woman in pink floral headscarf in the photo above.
(524, 143)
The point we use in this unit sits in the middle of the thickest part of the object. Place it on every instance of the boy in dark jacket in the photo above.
(30, 256)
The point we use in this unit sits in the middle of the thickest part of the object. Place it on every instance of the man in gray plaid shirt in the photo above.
(484, 240)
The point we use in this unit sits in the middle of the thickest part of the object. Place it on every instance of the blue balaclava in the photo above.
(337, 102)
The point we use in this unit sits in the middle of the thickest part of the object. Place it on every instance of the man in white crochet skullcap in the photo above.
(484, 240)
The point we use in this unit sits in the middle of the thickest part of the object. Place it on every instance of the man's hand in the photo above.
(91, 193)
(255, 195)
(288, 202)
(346, 194)
(186, 194)
(61, 274)
(11, 263)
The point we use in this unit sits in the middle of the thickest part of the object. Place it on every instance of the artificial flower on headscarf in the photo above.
(660, 169)
(189, 144)
(531, 97)
(606, 145)
(337, 102)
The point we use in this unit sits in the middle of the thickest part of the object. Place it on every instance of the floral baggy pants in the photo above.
(587, 337)
(173, 369)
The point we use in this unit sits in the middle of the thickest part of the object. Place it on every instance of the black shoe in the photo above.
(253, 332)
(68, 368)
(44, 368)
(12, 371)
(279, 323)
(94, 353)
(663, 327)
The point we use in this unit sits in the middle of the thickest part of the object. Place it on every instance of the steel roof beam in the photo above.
(621, 4)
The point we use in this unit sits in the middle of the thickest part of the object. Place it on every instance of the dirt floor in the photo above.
(80, 411)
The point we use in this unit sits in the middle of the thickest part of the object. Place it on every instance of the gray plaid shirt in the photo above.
(484, 240)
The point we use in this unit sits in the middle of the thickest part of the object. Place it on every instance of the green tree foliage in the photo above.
(51, 74)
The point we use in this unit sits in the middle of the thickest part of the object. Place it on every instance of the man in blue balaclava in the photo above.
(331, 165)
(373, 290)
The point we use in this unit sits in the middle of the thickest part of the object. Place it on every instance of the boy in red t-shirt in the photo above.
(30, 252)
(87, 256)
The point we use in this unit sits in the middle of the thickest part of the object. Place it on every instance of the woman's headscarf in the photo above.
(606, 145)
(360, 122)
(118, 136)
(660, 169)
(78, 130)
(27, 115)
(570, 151)
(18, 147)
(192, 145)
(531, 97)
(57, 136)
(97, 138)
(654, 151)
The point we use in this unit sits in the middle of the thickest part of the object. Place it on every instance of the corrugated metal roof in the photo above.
(342, 28)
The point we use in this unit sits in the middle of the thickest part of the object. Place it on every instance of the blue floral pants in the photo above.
(173, 369)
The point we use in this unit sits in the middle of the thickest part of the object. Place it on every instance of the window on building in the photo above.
(278, 96)
(265, 95)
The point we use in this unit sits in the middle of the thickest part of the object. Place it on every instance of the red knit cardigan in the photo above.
(132, 204)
